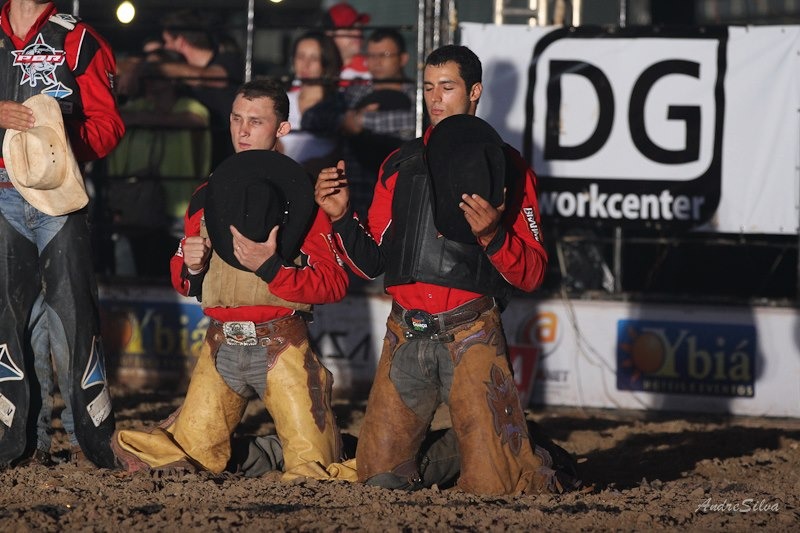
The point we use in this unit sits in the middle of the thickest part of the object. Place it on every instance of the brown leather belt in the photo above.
(290, 329)
(424, 323)
(6, 185)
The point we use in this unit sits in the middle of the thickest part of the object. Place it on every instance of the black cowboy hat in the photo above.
(254, 191)
(465, 155)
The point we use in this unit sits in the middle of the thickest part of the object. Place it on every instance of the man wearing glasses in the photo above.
(380, 113)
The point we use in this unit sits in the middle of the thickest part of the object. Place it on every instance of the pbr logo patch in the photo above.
(39, 62)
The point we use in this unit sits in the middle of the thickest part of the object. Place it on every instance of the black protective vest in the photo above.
(414, 249)
(41, 67)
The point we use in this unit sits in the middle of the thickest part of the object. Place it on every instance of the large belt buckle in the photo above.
(421, 322)
(240, 333)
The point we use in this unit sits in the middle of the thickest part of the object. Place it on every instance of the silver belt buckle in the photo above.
(240, 333)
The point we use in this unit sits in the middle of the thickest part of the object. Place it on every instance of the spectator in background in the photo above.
(380, 114)
(344, 23)
(152, 44)
(315, 103)
(213, 71)
(153, 171)
(128, 68)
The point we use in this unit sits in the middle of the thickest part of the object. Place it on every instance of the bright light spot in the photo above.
(126, 12)
(275, 1)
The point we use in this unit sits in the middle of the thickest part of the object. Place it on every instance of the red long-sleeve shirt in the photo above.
(516, 251)
(321, 280)
(91, 60)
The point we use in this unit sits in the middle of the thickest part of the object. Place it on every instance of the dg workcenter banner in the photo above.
(691, 129)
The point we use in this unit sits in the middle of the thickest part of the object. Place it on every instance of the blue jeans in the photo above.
(43, 366)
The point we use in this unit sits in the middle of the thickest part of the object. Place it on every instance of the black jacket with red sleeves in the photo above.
(516, 252)
(67, 59)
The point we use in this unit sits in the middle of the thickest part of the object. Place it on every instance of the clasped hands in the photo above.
(251, 254)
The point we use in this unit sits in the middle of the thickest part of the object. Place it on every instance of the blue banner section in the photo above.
(686, 358)
(161, 339)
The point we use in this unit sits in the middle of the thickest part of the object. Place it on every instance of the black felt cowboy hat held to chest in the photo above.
(255, 191)
(465, 155)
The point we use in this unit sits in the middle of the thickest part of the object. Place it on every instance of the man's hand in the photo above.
(15, 116)
(483, 218)
(252, 254)
(353, 120)
(196, 251)
(331, 193)
(129, 74)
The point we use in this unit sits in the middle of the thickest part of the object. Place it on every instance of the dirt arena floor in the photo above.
(649, 471)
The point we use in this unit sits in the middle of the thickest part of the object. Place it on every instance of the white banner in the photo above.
(637, 128)
(662, 357)
(565, 352)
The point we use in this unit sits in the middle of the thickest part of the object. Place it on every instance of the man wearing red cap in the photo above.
(344, 25)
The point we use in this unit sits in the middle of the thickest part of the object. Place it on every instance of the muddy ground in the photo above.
(649, 471)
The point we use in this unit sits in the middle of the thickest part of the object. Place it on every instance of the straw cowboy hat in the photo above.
(465, 155)
(40, 162)
(254, 191)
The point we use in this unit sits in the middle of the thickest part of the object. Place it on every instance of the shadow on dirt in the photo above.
(662, 455)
